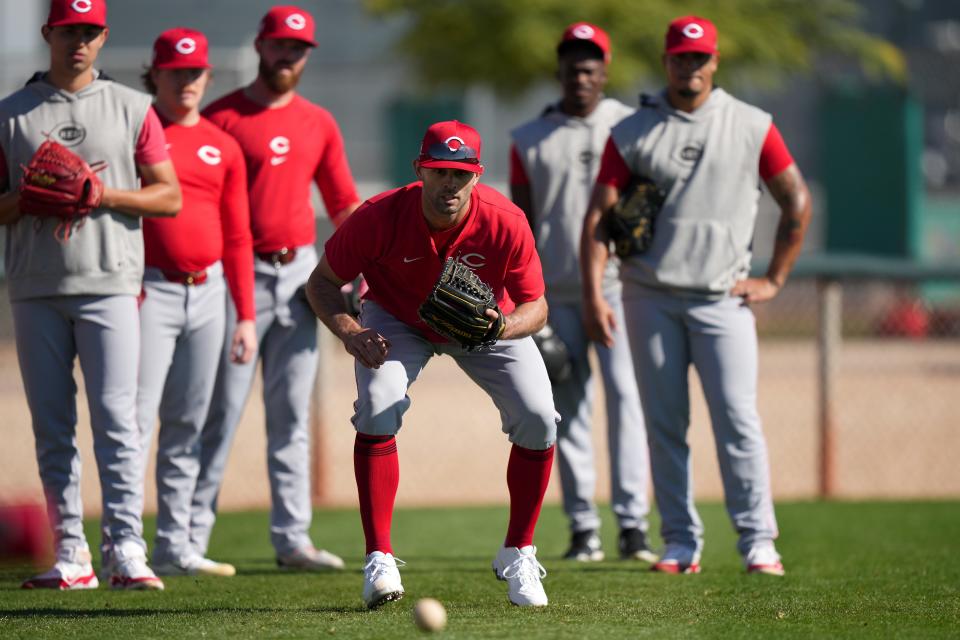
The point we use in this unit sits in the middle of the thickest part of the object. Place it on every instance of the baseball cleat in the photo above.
(381, 579)
(128, 569)
(584, 547)
(310, 559)
(633, 546)
(519, 568)
(195, 566)
(678, 559)
(72, 570)
(765, 560)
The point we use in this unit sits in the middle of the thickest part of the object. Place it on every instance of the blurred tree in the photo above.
(511, 44)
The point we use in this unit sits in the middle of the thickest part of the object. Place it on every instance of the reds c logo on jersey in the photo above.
(474, 260)
(210, 155)
(69, 134)
(82, 6)
(280, 146)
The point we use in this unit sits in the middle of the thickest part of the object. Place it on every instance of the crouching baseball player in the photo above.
(401, 241)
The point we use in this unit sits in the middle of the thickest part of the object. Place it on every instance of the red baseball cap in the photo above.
(180, 48)
(451, 145)
(586, 32)
(288, 22)
(63, 12)
(691, 33)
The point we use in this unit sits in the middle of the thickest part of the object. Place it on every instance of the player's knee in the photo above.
(373, 420)
(536, 429)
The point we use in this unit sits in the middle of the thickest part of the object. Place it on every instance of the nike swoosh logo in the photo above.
(275, 161)
(407, 260)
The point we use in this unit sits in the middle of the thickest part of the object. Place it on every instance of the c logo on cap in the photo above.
(693, 31)
(186, 46)
(584, 32)
(280, 145)
(82, 6)
(210, 155)
(454, 142)
(296, 22)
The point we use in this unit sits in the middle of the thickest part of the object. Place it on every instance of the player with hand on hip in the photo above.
(288, 143)
(400, 241)
(686, 296)
(76, 295)
(183, 313)
(554, 163)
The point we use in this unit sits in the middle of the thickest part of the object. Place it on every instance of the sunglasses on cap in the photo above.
(463, 153)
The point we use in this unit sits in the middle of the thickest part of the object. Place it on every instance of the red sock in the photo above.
(377, 469)
(528, 474)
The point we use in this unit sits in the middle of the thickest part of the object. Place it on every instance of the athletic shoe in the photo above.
(764, 559)
(309, 559)
(519, 568)
(381, 579)
(633, 546)
(677, 558)
(128, 569)
(195, 566)
(584, 547)
(72, 570)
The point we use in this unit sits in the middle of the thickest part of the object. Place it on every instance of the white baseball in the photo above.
(429, 615)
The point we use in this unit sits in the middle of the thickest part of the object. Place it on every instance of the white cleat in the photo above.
(195, 566)
(519, 568)
(72, 570)
(310, 559)
(764, 559)
(128, 569)
(381, 579)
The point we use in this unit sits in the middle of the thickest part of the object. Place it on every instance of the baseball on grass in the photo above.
(429, 614)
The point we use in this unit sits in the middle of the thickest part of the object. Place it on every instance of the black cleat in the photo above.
(584, 547)
(633, 546)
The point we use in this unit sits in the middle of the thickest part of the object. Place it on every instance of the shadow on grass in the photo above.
(58, 612)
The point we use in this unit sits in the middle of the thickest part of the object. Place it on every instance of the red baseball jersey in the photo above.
(286, 149)
(214, 222)
(387, 240)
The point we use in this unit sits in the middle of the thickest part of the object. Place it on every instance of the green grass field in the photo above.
(854, 570)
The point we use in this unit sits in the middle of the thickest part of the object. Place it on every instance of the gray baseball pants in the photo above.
(626, 436)
(512, 373)
(287, 334)
(104, 332)
(182, 333)
(668, 333)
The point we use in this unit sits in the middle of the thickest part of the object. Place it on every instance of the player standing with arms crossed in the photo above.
(183, 314)
(554, 164)
(288, 143)
(400, 240)
(687, 297)
(76, 295)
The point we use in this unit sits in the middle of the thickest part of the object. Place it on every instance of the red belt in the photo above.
(280, 257)
(190, 278)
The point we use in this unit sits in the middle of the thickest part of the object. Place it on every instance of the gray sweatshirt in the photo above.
(104, 255)
(707, 162)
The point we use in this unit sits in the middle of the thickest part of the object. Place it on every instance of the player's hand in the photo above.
(755, 290)
(368, 347)
(244, 342)
(599, 321)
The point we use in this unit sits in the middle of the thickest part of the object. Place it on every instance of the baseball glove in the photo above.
(455, 308)
(60, 184)
(630, 221)
(555, 355)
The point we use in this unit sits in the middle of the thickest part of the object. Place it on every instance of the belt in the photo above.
(280, 257)
(189, 278)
